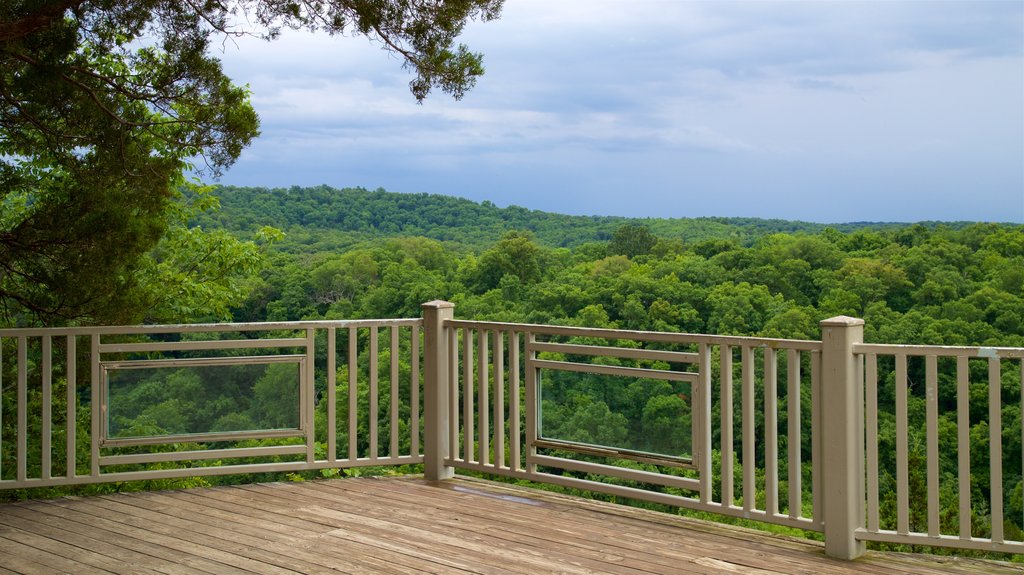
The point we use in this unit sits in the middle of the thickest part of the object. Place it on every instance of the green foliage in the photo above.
(104, 106)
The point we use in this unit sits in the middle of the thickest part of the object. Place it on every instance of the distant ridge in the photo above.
(380, 213)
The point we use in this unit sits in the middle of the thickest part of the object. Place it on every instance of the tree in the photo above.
(105, 104)
(632, 240)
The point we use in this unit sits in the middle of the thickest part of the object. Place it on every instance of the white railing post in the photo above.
(435, 390)
(842, 435)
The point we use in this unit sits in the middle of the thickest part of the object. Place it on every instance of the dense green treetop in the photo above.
(341, 217)
(105, 104)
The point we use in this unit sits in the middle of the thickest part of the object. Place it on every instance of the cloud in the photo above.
(907, 107)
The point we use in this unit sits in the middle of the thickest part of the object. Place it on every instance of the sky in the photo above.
(823, 111)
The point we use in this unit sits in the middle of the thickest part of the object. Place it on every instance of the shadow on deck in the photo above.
(403, 525)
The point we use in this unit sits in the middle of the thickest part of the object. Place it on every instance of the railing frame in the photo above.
(843, 431)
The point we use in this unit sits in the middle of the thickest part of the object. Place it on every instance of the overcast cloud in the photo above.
(820, 111)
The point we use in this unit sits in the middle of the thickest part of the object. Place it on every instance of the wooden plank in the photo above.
(96, 540)
(15, 556)
(180, 548)
(389, 525)
(359, 553)
(480, 529)
(230, 540)
(84, 560)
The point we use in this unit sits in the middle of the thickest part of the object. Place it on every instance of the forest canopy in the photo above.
(106, 105)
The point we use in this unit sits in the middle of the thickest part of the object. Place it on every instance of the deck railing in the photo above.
(779, 431)
(66, 390)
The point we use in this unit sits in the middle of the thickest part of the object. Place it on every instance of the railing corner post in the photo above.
(436, 418)
(842, 435)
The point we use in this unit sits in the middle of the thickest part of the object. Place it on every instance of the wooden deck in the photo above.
(401, 525)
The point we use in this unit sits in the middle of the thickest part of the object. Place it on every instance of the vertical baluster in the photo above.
(72, 401)
(394, 391)
(46, 450)
(498, 369)
(514, 446)
(533, 403)
(728, 492)
(22, 470)
(963, 444)
(747, 398)
(309, 391)
(374, 392)
(483, 390)
(353, 393)
(793, 436)
(414, 393)
(453, 392)
(858, 378)
(871, 365)
(468, 414)
(902, 506)
(816, 445)
(332, 380)
(771, 430)
(702, 401)
(995, 446)
(932, 432)
(96, 409)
